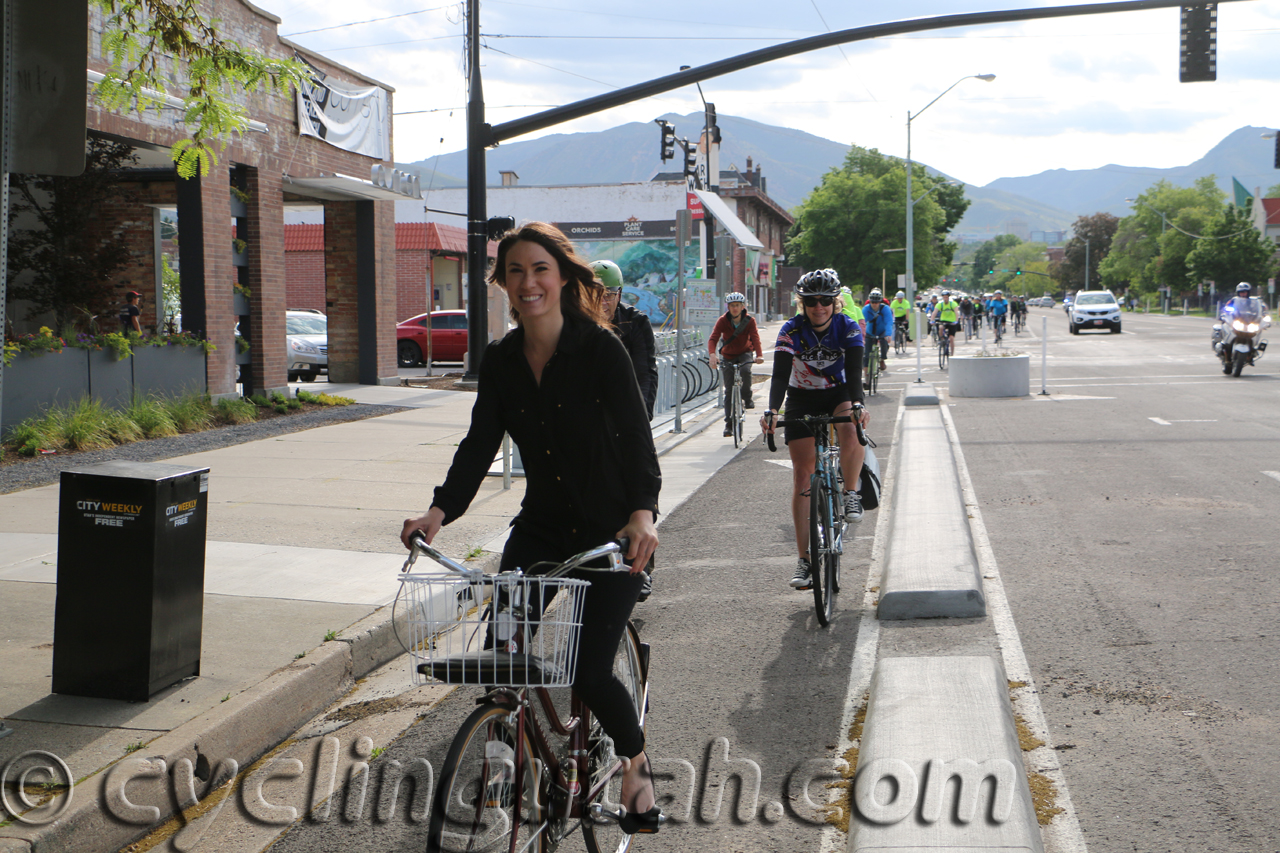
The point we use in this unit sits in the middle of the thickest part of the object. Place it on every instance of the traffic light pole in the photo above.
(477, 210)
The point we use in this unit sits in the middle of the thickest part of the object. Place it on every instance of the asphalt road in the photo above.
(1129, 514)
(1133, 521)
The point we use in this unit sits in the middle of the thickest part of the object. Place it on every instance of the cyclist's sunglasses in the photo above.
(815, 301)
(613, 291)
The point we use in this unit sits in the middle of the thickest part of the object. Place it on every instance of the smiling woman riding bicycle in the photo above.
(817, 367)
(562, 385)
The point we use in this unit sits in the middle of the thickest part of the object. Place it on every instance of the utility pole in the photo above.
(477, 212)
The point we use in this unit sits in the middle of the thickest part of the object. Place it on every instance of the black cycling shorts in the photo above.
(952, 328)
(802, 402)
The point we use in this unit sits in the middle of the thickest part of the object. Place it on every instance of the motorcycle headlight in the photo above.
(303, 346)
(1252, 327)
(1237, 325)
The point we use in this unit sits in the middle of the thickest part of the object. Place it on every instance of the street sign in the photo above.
(702, 306)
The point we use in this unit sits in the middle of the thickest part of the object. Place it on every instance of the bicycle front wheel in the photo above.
(823, 560)
(486, 798)
(944, 345)
(735, 413)
(606, 836)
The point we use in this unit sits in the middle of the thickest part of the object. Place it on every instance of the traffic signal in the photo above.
(690, 160)
(991, 271)
(668, 150)
(1018, 271)
(1198, 60)
(711, 123)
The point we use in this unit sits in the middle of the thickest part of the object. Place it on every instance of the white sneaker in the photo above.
(800, 580)
(852, 507)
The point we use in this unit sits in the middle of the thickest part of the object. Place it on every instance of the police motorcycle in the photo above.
(1237, 340)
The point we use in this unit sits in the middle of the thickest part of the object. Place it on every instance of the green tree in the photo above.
(1274, 192)
(1140, 256)
(60, 259)
(1230, 251)
(145, 38)
(985, 259)
(859, 211)
(1030, 259)
(1092, 241)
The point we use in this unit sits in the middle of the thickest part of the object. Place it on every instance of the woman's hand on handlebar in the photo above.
(429, 524)
(767, 420)
(863, 416)
(643, 538)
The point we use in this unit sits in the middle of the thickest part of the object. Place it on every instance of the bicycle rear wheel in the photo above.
(480, 803)
(823, 560)
(606, 836)
(944, 344)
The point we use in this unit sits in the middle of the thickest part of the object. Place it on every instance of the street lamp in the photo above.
(1164, 221)
(911, 256)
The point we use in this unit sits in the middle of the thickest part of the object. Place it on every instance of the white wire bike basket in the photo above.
(455, 637)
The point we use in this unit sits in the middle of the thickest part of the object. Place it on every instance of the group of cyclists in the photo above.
(564, 385)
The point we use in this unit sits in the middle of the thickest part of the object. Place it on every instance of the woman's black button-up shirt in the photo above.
(583, 435)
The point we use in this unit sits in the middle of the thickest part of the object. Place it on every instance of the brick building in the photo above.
(230, 222)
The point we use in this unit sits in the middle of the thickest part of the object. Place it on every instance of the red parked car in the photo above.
(448, 330)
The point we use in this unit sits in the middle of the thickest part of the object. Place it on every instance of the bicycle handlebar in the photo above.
(614, 550)
(811, 420)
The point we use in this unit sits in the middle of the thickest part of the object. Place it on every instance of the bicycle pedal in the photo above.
(600, 814)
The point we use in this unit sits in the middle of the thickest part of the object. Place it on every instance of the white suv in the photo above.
(1094, 309)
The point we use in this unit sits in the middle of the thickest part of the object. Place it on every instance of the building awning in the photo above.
(342, 188)
(726, 217)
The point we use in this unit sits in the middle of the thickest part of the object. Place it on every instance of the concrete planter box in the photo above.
(989, 376)
(35, 382)
(110, 378)
(169, 371)
(240, 305)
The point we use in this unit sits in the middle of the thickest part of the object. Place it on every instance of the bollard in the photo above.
(1044, 355)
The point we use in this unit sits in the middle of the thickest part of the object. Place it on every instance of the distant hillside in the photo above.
(793, 163)
(1241, 154)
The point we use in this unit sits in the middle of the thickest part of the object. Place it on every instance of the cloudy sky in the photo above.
(1072, 93)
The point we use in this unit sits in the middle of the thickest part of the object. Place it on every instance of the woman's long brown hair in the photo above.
(582, 296)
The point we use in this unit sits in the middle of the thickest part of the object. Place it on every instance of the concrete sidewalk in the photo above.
(302, 541)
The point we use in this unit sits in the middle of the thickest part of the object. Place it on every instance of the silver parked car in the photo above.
(307, 342)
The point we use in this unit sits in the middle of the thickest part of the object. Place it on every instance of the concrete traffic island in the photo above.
(939, 766)
(989, 375)
(930, 565)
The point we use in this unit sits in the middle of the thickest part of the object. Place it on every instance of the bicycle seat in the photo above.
(490, 667)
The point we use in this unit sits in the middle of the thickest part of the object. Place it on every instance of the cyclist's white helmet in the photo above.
(735, 297)
(819, 283)
(946, 293)
(876, 295)
(999, 293)
(1244, 287)
(900, 295)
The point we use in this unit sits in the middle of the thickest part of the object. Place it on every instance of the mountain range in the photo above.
(793, 163)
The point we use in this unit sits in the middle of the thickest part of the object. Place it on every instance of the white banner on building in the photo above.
(351, 118)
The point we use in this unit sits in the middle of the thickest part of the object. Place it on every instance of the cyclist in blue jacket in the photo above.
(878, 317)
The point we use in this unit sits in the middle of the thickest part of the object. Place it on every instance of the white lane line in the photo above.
(868, 641)
(1160, 421)
(1063, 834)
(1196, 421)
(785, 463)
(1275, 475)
